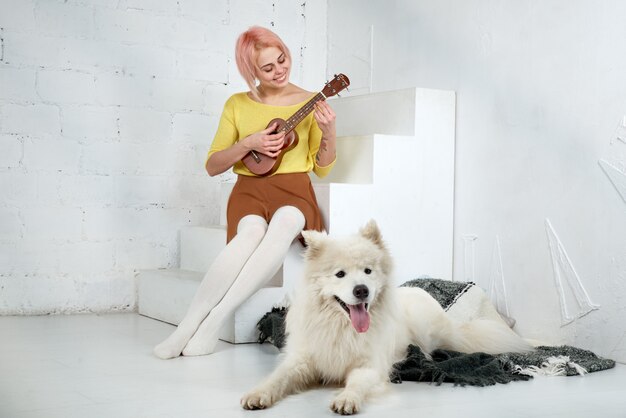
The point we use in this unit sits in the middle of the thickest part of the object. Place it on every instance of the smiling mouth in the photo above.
(281, 78)
(358, 314)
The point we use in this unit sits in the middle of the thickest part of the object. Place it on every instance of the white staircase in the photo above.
(395, 164)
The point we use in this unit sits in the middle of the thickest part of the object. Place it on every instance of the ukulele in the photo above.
(263, 165)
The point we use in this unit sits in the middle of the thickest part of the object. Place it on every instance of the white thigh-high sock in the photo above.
(284, 226)
(217, 280)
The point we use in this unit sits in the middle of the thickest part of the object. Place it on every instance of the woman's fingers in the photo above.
(324, 113)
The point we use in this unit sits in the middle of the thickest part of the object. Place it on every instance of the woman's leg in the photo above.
(285, 225)
(216, 282)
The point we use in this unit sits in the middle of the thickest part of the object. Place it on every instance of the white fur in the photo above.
(323, 346)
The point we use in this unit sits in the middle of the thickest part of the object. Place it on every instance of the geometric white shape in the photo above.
(418, 228)
(166, 295)
(564, 271)
(469, 258)
(395, 164)
(497, 286)
(199, 246)
(616, 177)
(620, 132)
(408, 111)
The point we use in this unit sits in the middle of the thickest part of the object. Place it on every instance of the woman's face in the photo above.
(273, 68)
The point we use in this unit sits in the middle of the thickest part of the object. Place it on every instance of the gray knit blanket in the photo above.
(475, 369)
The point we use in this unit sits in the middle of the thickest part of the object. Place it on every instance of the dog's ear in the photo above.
(372, 233)
(314, 242)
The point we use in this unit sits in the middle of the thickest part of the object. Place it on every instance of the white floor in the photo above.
(92, 366)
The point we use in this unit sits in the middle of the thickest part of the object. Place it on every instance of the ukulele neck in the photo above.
(297, 117)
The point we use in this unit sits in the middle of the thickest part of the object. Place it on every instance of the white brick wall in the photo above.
(107, 109)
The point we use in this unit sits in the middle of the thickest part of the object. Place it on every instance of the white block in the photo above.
(10, 224)
(17, 15)
(66, 86)
(199, 246)
(65, 20)
(169, 158)
(176, 95)
(192, 127)
(410, 196)
(136, 26)
(106, 158)
(52, 155)
(12, 148)
(225, 190)
(355, 161)
(30, 119)
(203, 65)
(18, 84)
(91, 123)
(398, 112)
(144, 125)
(166, 294)
(131, 90)
(62, 223)
(29, 49)
(17, 187)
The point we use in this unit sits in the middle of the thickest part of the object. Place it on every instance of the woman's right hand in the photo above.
(266, 141)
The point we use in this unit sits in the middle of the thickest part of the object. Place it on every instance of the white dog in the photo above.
(348, 324)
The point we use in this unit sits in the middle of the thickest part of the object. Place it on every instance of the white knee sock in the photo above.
(218, 279)
(285, 225)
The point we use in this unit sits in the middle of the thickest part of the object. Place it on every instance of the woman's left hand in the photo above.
(325, 117)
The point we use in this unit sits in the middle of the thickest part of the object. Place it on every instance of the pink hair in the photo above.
(246, 51)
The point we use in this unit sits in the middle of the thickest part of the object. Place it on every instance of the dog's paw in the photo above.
(258, 399)
(346, 404)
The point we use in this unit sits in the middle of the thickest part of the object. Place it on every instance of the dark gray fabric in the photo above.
(272, 327)
(584, 358)
(475, 369)
(480, 369)
(446, 292)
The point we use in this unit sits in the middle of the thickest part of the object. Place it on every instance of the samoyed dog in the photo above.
(348, 324)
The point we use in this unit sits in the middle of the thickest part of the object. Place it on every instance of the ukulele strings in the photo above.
(297, 117)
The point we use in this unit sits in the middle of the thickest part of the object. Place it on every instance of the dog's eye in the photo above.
(340, 274)
(368, 271)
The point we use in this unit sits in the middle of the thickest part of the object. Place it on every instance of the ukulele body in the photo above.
(263, 165)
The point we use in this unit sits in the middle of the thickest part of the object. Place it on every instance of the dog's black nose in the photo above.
(361, 291)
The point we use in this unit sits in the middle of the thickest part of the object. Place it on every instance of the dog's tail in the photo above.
(485, 335)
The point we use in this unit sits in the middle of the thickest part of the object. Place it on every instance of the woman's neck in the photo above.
(285, 96)
(271, 95)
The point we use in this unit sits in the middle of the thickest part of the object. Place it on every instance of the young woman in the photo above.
(264, 214)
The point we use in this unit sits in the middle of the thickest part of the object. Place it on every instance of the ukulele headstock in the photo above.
(338, 83)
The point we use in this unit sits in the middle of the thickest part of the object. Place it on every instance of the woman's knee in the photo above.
(252, 227)
(289, 217)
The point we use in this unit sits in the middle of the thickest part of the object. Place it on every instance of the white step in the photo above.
(408, 188)
(412, 111)
(200, 245)
(166, 295)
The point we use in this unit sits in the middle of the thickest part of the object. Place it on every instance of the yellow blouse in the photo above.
(243, 116)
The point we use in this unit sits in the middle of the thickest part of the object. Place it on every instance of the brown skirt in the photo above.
(264, 195)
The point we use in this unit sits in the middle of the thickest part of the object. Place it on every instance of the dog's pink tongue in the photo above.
(360, 317)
